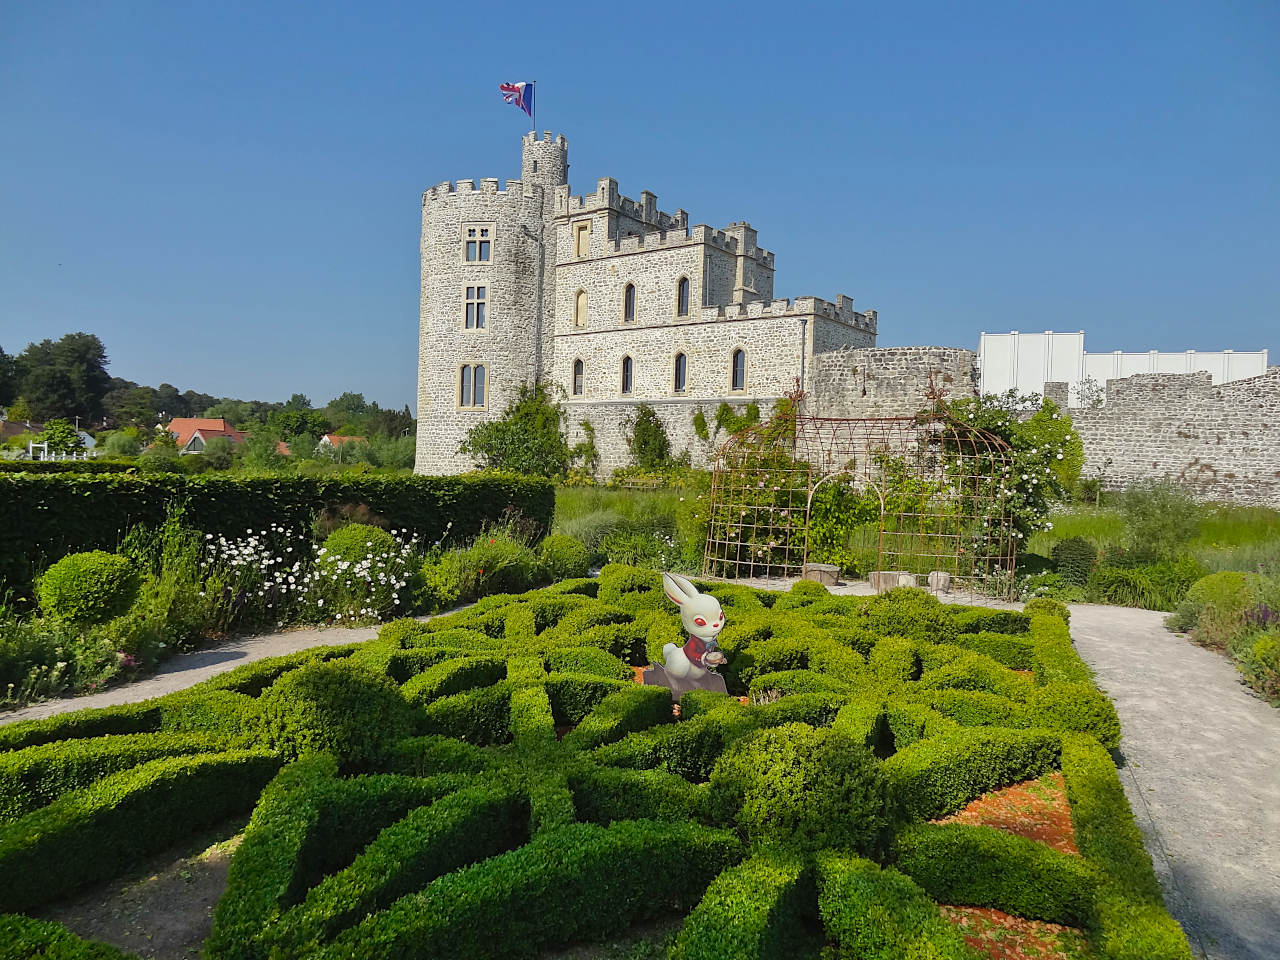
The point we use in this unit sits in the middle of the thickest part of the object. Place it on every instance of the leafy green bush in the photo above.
(340, 707)
(765, 907)
(579, 882)
(1074, 559)
(563, 557)
(527, 439)
(56, 514)
(796, 785)
(90, 834)
(1258, 657)
(24, 937)
(647, 438)
(88, 587)
(1161, 518)
(1047, 607)
(875, 914)
(982, 867)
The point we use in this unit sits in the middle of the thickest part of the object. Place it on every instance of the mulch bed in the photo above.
(1036, 809)
(1005, 937)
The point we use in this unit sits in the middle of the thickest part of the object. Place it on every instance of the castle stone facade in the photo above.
(619, 303)
(612, 299)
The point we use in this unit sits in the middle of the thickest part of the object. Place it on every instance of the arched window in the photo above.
(580, 309)
(739, 370)
(682, 371)
(682, 297)
(629, 303)
(577, 378)
(627, 378)
(471, 386)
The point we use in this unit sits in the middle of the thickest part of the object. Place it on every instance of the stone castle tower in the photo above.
(488, 304)
(610, 299)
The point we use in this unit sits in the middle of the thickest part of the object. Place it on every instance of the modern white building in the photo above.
(1027, 361)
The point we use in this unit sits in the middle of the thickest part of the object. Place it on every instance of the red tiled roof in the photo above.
(337, 438)
(184, 428)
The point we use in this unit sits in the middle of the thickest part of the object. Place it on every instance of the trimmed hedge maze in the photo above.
(494, 783)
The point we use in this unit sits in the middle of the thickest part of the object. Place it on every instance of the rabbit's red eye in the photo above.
(699, 621)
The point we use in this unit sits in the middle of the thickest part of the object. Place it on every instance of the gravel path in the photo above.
(1202, 773)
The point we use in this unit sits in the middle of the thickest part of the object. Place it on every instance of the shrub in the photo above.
(343, 708)
(24, 937)
(356, 542)
(796, 785)
(1130, 923)
(936, 777)
(91, 834)
(1074, 559)
(1161, 518)
(1125, 588)
(36, 776)
(457, 830)
(1258, 657)
(982, 867)
(603, 795)
(1044, 606)
(765, 907)
(1075, 706)
(56, 514)
(564, 558)
(527, 439)
(875, 914)
(647, 439)
(88, 587)
(1217, 607)
(580, 882)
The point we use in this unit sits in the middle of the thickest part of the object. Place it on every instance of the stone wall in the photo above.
(610, 420)
(885, 381)
(1223, 441)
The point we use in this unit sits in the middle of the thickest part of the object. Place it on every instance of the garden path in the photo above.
(1201, 773)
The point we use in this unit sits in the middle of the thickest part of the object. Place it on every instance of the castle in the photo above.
(619, 303)
(610, 298)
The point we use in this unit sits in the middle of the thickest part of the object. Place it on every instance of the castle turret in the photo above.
(545, 161)
(487, 306)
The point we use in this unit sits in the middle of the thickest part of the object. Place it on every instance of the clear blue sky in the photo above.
(228, 193)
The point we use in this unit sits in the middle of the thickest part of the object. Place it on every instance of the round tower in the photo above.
(487, 289)
(545, 161)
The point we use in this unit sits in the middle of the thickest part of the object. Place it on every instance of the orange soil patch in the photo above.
(1036, 809)
(1029, 674)
(1005, 937)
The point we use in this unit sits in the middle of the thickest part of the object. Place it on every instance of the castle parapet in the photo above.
(490, 186)
(841, 311)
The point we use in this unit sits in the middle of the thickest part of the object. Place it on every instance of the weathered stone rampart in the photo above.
(1223, 441)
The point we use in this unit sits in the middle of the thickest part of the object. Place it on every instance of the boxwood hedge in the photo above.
(50, 515)
(498, 784)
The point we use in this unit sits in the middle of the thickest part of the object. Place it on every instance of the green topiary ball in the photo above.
(356, 541)
(338, 707)
(563, 557)
(88, 587)
(803, 787)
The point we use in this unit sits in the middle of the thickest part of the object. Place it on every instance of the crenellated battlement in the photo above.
(489, 186)
(841, 311)
(607, 198)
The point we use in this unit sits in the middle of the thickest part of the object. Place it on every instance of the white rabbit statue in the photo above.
(703, 620)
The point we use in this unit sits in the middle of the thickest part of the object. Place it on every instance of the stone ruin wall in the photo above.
(1223, 441)
(885, 381)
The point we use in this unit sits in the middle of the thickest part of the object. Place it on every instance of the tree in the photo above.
(529, 438)
(392, 424)
(261, 449)
(169, 401)
(61, 437)
(66, 378)
(8, 378)
(219, 453)
(347, 410)
(122, 443)
(290, 423)
(20, 409)
(298, 401)
(136, 407)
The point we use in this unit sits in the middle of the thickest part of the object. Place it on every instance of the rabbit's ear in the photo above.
(674, 590)
(689, 590)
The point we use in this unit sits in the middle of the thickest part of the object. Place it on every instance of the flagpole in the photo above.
(533, 114)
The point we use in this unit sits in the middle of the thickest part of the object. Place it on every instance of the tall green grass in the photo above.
(1231, 537)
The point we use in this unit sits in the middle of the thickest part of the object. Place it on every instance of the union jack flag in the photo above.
(521, 94)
